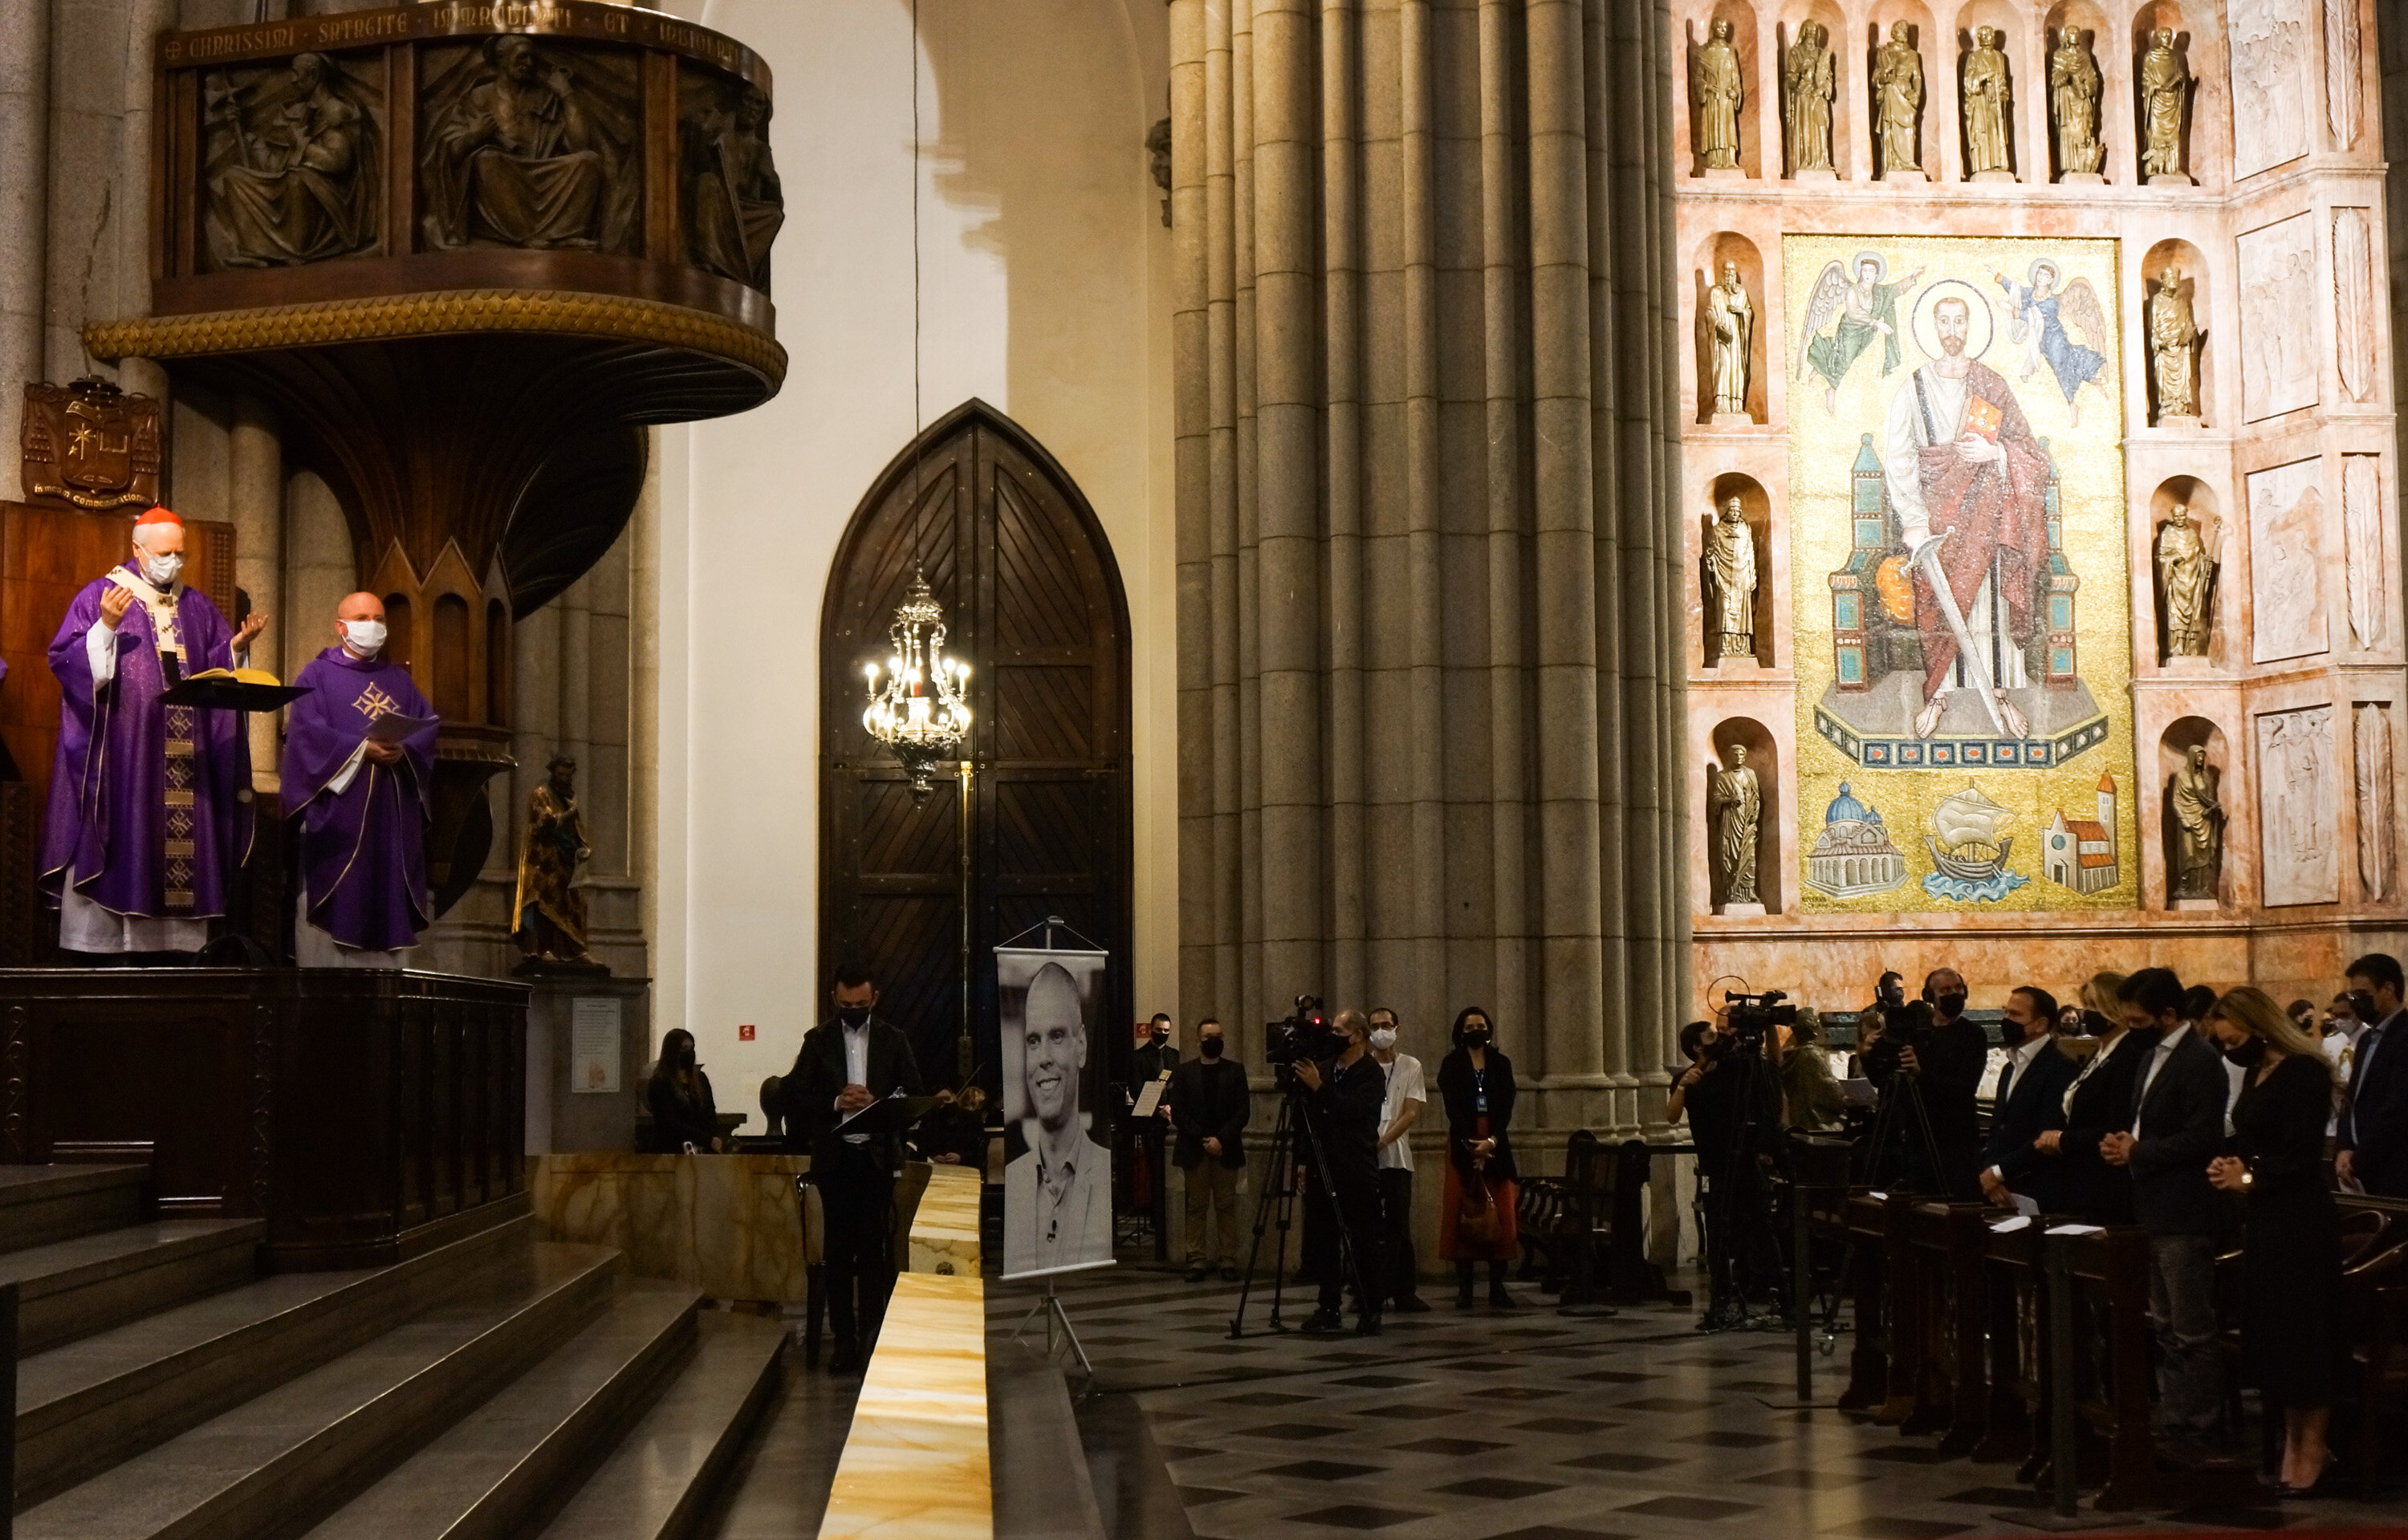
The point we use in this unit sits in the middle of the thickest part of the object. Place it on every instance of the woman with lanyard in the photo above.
(1475, 1215)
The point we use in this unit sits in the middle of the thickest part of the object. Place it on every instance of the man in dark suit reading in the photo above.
(847, 1065)
(2030, 1101)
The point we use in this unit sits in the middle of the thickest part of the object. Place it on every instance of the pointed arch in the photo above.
(1033, 600)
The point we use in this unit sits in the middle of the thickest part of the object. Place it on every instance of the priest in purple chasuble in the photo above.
(364, 803)
(149, 812)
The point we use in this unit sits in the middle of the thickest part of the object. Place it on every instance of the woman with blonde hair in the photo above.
(2097, 1104)
(2293, 1348)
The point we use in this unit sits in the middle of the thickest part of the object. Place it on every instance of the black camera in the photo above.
(1749, 1017)
(1303, 1034)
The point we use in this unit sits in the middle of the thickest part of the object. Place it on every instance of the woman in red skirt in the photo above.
(1475, 1215)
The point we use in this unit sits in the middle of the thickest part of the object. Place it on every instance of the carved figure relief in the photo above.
(2299, 806)
(2073, 104)
(735, 203)
(2199, 827)
(2185, 578)
(89, 446)
(529, 147)
(2270, 111)
(1898, 101)
(2378, 834)
(2361, 526)
(1735, 809)
(1157, 154)
(2353, 302)
(1731, 330)
(292, 156)
(2278, 318)
(2285, 582)
(1989, 134)
(2342, 70)
(1808, 90)
(1730, 584)
(2165, 103)
(1717, 92)
(2174, 348)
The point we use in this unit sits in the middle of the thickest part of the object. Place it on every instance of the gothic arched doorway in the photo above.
(1033, 602)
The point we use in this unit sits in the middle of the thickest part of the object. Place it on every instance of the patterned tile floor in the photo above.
(1531, 1426)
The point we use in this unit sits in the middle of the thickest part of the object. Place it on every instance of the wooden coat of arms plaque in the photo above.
(88, 445)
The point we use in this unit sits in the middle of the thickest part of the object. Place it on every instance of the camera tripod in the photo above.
(1890, 1126)
(1275, 1207)
(1734, 1228)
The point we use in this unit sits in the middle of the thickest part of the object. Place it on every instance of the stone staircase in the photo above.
(495, 1386)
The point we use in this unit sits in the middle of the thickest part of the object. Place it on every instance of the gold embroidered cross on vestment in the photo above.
(374, 703)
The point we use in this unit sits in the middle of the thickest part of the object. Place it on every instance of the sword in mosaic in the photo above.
(1926, 556)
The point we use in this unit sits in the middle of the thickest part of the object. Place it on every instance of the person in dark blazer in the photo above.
(2372, 1133)
(2177, 1127)
(2030, 1101)
(1209, 1105)
(1950, 1068)
(847, 1064)
(2294, 1338)
(2098, 1103)
(1476, 1083)
(678, 1095)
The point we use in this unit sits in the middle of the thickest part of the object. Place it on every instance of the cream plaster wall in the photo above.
(1044, 290)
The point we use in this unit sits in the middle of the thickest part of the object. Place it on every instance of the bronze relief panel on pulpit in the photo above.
(290, 151)
(532, 145)
(734, 203)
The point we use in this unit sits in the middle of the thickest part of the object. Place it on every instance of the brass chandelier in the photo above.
(923, 714)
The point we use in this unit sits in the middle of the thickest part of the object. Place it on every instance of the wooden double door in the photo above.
(1033, 603)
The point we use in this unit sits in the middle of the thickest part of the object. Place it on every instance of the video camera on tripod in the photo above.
(1748, 1018)
(1303, 1034)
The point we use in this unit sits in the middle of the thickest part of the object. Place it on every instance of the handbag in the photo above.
(1475, 1214)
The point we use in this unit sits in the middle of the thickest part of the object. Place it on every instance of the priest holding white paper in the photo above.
(359, 777)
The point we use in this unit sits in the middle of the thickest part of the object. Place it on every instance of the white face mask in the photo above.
(1383, 1038)
(159, 571)
(365, 636)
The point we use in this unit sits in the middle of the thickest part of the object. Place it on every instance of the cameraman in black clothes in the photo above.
(1734, 1150)
(1341, 1099)
(1948, 1063)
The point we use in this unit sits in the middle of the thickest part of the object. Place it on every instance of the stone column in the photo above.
(255, 468)
(24, 208)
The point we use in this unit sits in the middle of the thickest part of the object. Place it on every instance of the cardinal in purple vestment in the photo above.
(364, 803)
(150, 811)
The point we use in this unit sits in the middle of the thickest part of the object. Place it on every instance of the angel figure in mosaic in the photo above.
(1866, 307)
(2041, 311)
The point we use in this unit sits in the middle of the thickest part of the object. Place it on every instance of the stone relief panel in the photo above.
(2269, 105)
(735, 203)
(2285, 588)
(2353, 256)
(2361, 528)
(2299, 806)
(2377, 835)
(289, 157)
(2278, 330)
(530, 145)
(2342, 70)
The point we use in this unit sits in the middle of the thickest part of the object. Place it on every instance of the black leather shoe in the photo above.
(846, 1360)
(1196, 1274)
(1499, 1299)
(1325, 1323)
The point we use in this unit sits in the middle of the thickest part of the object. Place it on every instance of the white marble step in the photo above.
(40, 1204)
(305, 1447)
(660, 1482)
(491, 1474)
(83, 1406)
(73, 1288)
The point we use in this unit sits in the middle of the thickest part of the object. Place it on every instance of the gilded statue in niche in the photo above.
(547, 919)
(1730, 324)
(735, 203)
(2073, 85)
(1961, 606)
(1730, 584)
(1897, 96)
(2184, 576)
(524, 149)
(290, 154)
(1988, 102)
(1735, 806)
(2174, 348)
(2165, 98)
(1715, 87)
(1807, 91)
(2198, 823)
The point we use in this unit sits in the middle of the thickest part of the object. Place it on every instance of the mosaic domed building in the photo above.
(1852, 855)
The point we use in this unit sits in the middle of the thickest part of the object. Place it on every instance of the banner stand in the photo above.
(1058, 1320)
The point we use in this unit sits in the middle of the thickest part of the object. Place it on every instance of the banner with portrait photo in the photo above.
(1057, 1174)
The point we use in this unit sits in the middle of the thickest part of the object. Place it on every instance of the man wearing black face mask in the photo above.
(846, 1066)
(1949, 1069)
(1212, 1105)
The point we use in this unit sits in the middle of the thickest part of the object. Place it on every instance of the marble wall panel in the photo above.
(2270, 92)
(2353, 260)
(2370, 758)
(729, 1225)
(2367, 573)
(2299, 806)
(2286, 585)
(2278, 318)
(2344, 71)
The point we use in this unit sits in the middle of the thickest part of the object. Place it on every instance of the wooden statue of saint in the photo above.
(551, 914)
